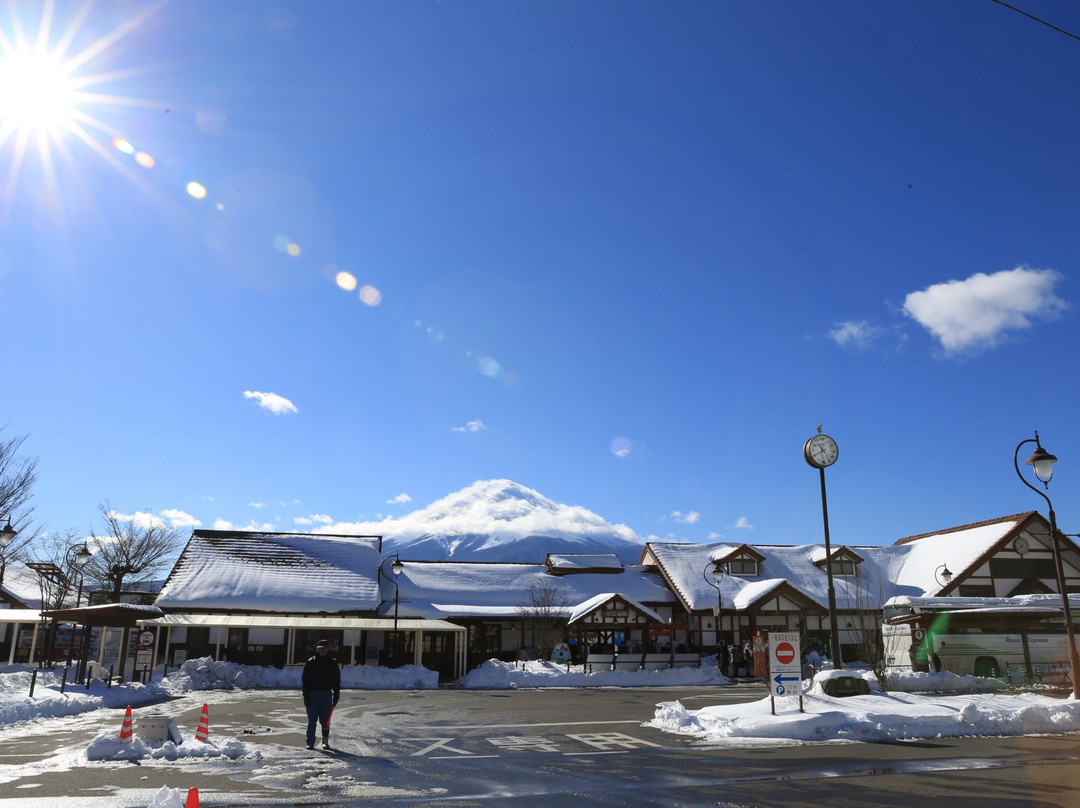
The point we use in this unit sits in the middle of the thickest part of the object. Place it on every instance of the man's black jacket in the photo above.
(321, 673)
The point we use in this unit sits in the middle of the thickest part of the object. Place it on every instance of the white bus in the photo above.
(1019, 639)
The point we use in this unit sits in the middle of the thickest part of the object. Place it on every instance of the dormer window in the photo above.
(746, 567)
(844, 562)
(843, 566)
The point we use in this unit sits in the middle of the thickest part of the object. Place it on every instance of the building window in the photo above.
(842, 566)
(742, 566)
(976, 591)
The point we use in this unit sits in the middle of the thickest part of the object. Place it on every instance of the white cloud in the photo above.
(221, 524)
(314, 519)
(858, 334)
(256, 505)
(399, 499)
(743, 523)
(713, 535)
(276, 404)
(141, 519)
(685, 518)
(475, 425)
(178, 518)
(981, 311)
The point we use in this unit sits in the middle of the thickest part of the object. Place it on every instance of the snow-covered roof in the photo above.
(23, 584)
(905, 568)
(499, 590)
(274, 572)
(578, 562)
(597, 601)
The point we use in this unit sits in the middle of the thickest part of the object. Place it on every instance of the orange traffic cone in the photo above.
(203, 732)
(192, 800)
(125, 728)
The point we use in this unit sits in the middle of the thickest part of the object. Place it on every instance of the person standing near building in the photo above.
(321, 685)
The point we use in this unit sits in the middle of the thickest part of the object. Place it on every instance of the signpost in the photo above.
(785, 667)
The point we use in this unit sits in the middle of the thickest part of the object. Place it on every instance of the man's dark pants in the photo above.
(320, 702)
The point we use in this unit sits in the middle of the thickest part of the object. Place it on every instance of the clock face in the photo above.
(821, 451)
(1021, 545)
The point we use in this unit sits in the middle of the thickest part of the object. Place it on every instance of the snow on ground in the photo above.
(918, 705)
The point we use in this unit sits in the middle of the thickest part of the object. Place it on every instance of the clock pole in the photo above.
(834, 634)
(820, 452)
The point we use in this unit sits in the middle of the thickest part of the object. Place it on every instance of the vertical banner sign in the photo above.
(785, 665)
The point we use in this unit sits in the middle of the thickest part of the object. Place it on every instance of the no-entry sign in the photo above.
(785, 668)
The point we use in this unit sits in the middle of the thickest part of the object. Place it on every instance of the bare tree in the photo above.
(544, 612)
(18, 473)
(132, 549)
(865, 603)
(59, 572)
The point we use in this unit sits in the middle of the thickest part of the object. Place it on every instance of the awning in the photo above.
(301, 621)
(20, 616)
(113, 615)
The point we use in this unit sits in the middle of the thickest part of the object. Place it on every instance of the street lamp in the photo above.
(395, 568)
(81, 559)
(714, 574)
(7, 536)
(942, 575)
(1042, 464)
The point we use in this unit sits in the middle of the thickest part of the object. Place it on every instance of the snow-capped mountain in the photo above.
(500, 520)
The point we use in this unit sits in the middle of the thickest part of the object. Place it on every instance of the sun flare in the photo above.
(51, 97)
(37, 94)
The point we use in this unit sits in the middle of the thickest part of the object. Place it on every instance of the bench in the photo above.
(656, 662)
(628, 662)
(599, 662)
(686, 661)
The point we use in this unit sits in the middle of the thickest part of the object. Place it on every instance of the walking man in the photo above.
(321, 685)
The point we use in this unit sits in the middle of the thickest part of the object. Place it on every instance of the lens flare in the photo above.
(370, 296)
(293, 249)
(122, 145)
(621, 447)
(197, 190)
(345, 280)
(145, 160)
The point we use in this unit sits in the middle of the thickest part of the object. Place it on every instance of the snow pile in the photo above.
(207, 674)
(911, 682)
(496, 675)
(168, 798)
(874, 718)
(16, 704)
(107, 746)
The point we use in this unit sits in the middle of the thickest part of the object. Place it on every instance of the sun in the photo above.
(37, 94)
(51, 96)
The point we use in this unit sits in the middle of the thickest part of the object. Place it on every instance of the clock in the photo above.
(820, 451)
(1021, 545)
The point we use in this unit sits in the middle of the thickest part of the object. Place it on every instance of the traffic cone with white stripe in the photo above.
(203, 732)
(192, 800)
(125, 728)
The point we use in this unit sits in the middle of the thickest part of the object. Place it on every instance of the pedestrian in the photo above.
(321, 685)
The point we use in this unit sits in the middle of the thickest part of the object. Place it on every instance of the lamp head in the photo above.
(1042, 463)
(7, 534)
(82, 558)
(718, 573)
(397, 566)
(946, 575)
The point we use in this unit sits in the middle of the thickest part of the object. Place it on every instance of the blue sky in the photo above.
(628, 254)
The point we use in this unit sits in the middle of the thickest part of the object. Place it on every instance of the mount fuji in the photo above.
(500, 520)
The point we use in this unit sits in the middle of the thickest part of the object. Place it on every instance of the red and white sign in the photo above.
(785, 666)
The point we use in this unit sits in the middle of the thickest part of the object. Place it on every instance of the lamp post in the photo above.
(7, 536)
(943, 576)
(1042, 464)
(714, 574)
(81, 559)
(396, 569)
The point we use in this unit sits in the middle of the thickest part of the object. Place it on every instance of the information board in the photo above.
(785, 663)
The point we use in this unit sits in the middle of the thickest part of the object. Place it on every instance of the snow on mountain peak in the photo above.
(500, 520)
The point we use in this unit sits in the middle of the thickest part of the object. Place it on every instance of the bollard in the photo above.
(109, 685)
(63, 680)
(33, 681)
